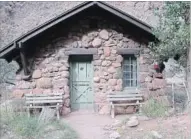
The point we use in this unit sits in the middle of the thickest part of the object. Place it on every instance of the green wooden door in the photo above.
(81, 85)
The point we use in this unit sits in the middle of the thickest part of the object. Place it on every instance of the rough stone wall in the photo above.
(51, 67)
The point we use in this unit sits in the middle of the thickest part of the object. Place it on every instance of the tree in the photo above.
(173, 32)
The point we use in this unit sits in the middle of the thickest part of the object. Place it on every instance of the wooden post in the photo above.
(23, 59)
(57, 111)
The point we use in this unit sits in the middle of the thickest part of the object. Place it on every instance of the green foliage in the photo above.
(173, 31)
(154, 108)
(29, 128)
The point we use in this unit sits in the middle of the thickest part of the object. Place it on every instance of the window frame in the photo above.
(125, 57)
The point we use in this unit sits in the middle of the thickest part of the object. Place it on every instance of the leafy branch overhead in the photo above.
(8, 71)
(173, 32)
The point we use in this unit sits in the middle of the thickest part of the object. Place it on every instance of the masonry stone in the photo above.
(37, 74)
(96, 42)
(44, 83)
(104, 34)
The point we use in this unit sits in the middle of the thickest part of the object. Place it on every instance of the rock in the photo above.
(65, 111)
(116, 65)
(111, 70)
(156, 135)
(104, 110)
(118, 87)
(44, 83)
(119, 81)
(37, 91)
(47, 91)
(36, 74)
(174, 73)
(148, 79)
(158, 83)
(96, 79)
(130, 110)
(103, 81)
(96, 42)
(23, 85)
(107, 51)
(106, 63)
(97, 62)
(17, 94)
(63, 68)
(60, 83)
(65, 74)
(66, 89)
(104, 34)
(67, 102)
(158, 75)
(113, 51)
(119, 59)
(112, 82)
(133, 121)
(114, 135)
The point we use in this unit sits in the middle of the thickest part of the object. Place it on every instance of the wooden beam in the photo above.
(23, 59)
(81, 51)
(124, 51)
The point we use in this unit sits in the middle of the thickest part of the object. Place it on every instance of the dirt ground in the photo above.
(92, 126)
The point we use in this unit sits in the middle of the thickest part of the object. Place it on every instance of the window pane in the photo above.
(127, 62)
(126, 68)
(126, 75)
(126, 83)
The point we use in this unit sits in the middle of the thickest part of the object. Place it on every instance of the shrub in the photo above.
(154, 108)
(29, 128)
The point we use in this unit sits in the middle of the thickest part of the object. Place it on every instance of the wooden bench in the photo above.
(130, 98)
(53, 100)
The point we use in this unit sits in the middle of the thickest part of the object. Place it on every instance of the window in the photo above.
(130, 71)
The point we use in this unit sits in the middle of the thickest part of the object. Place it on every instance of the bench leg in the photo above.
(57, 112)
(112, 111)
(140, 109)
(28, 112)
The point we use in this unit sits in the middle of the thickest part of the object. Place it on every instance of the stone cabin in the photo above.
(87, 52)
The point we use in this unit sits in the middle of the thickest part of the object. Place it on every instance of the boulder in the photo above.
(114, 135)
(36, 74)
(44, 83)
(133, 121)
(96, 42)
(104, 34)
